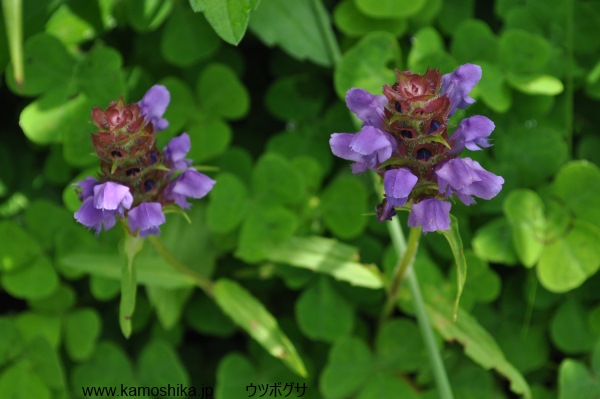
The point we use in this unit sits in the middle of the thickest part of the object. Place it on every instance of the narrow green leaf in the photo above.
(479, 345)
(229, 18)
(324, 255)
(13, 19)
(453, 237)
(132, 247)
(255, 319)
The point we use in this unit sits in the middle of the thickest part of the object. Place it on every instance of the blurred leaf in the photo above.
(46, 363)
(47, 66)
(159, 365)
(24, 248)
(578, 185)
(210, 138)
(187, 38)
(69, 27)
(525, 212)
(108, 366)
(482, 285)
(228, 204)
(343, 205)
(576, 381)
(322, 313)
(527, 350)
(349, 367)
(228, 18)
(169, 303)
(493, 243)
(100, 76)
(44, 219)
(366, 64)
(36, 281)
(274, 180)
(479, 345)
(248, 313)
(221, 93)
(293, 25)
(389, 8)
(522, 52)
(383, 384)
(62, 299)
(147, 15)
(352, 22)
(10, 341)
(205, 317)
(324, 255)
(82, 328)
(570, 330)
(455, 241)
(493, 88)
(570, 259)
(473, 40)
(546, 85)
(399, 347)
(233, 373)
(103, 288)
(297, 97)
(425, 41)
(181, 108)
(20, 382)
(453, 13)
(32, 325)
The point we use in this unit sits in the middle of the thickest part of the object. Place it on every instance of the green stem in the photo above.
(199, 279)
(435, 359)
(13, 19)
(405, 262)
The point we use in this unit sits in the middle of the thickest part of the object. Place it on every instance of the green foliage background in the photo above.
(287, 230)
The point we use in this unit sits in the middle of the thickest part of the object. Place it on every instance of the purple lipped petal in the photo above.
(458, 84)
(431, 214)
(146, 217)
(154, 104)
(472, 133)
(90, 216)
(467, 178)
(112, 196)
(455, 175)
(340, 146)
(385, 211)
(86, 187)
(176, 151)
(398, 183)
(368, 107)
(189, 184)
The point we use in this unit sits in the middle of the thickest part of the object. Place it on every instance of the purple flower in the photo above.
(458, 84)
(86, 187)
(472, 133)
(367, 148)
(466, 177)
(189, 184)
(101, 208)
(176, 150)
(431, 214)
(145, 218)
(398, 183)
(369, 108)
(154, 104)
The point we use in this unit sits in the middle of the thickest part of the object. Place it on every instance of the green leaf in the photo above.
(569, 260)
(349, 367)
(181, 109)
(324, 255)
(527, 351)
(131, 247)
(210, 138)
(525, 212)
(100, 77)
(82, 328)
(274, 180)
(248, 313)
(187, 38)
(32, 325)
(159, 365)
(44, 218)
(522, 52)
(322, 313)
(399, 347)
(482, 285)
(453, 13)
(69, 27)
(20, 382)
(455, 242)
(10, 341)
(228, 204)
(169, 303)
(147, 15)
(352, 22)
(570, 330)
(390, 8)
(46, 363)
(103, 288)
(233, 373)
(493, 89)
(228, 18)
(578, 185)
(366, 64)
(293, 25)
(576, 381)
(383, 384)
(546, 85)
(221, 93)
(49, 66)
(479, 345)
(23, 249)
(344, 205)
(35, 281)
(205, 317)
(109, 366)
(297, 97)
(426, 41)
(474, 40)
(493, 243)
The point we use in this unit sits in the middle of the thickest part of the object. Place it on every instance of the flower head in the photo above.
(136, 179)
(410, 147)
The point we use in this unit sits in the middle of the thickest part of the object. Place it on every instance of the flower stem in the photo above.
(199, 279)
(435, 358)
(405, 262)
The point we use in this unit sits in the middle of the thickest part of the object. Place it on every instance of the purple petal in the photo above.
(86, 187)
(146, 217)
(458, 84)
(431, 214)
(176, 151)
(90, 216)
(112, 196)
(340, 146)
(467, 178)
(189, 184)
(154, 104)
(385, 211)
(368, 107)
(398, 184)
(472, 133)
(367, 148)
